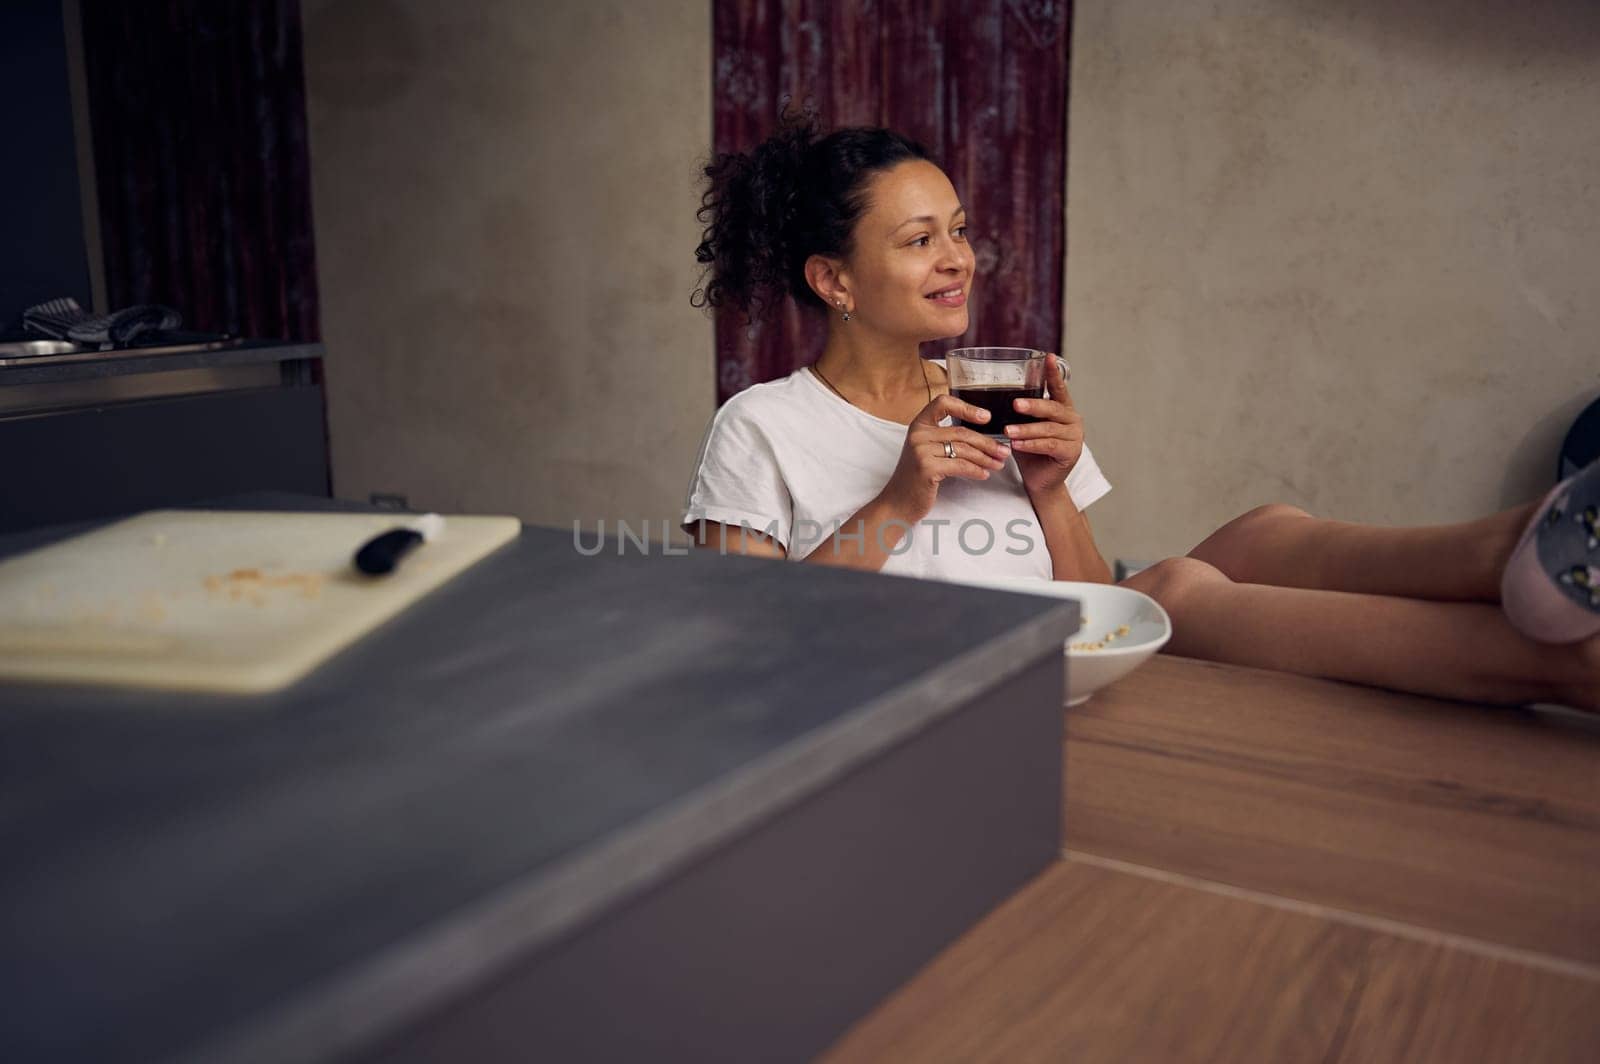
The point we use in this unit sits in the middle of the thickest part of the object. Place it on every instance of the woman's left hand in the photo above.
(1047, 448)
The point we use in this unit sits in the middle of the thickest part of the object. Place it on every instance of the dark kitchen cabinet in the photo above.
(95, 434)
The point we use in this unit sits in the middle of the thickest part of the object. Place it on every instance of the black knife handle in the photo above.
(381, 553)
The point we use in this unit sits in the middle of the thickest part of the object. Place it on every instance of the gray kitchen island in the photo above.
(621, 807)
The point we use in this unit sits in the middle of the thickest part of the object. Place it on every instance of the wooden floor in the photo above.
(1261, 867)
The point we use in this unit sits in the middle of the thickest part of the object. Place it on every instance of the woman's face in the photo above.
(910, 272)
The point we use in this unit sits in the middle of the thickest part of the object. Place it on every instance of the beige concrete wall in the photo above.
(1345, 256)
(504, 197)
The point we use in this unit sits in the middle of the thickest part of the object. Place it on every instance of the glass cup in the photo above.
(991, 377)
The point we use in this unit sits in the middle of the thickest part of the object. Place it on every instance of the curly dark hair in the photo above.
(797, 194)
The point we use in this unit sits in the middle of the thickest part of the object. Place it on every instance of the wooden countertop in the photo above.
(1260, 866)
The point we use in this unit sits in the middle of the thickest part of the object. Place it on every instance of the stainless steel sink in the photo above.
(36, 348)
(35, 353)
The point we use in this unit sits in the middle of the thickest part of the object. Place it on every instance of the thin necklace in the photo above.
(920, 361)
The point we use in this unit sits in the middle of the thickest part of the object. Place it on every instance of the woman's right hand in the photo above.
(924, 463)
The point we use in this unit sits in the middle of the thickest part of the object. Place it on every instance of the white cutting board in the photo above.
(215, 601)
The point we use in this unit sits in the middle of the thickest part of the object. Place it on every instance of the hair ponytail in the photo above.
(797, 194)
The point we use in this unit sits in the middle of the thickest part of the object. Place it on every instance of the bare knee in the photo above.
(1252, 520)
(1229, 548)
(1270, 511)
(1172, 581)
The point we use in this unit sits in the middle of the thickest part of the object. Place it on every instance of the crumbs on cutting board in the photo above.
(253, 586)
(151, 608)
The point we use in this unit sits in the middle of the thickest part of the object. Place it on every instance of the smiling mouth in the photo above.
(953, 296)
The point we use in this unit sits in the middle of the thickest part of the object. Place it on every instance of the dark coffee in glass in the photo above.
(993, 378)
(999, 400)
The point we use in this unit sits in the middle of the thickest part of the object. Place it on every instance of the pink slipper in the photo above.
(1550, 588)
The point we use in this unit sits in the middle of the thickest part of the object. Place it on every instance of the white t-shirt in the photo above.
(793, 460)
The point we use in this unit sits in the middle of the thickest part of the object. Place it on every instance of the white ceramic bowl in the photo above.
(1105, 607)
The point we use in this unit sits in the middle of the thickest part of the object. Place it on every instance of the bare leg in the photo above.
(1286, 547)
(1459, 650)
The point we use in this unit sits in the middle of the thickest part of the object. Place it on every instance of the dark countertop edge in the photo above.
(377, 998)
(122, 363)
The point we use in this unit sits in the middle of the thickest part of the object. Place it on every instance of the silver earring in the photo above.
(840, 305)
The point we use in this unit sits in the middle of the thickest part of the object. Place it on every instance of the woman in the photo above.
(861, 461)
